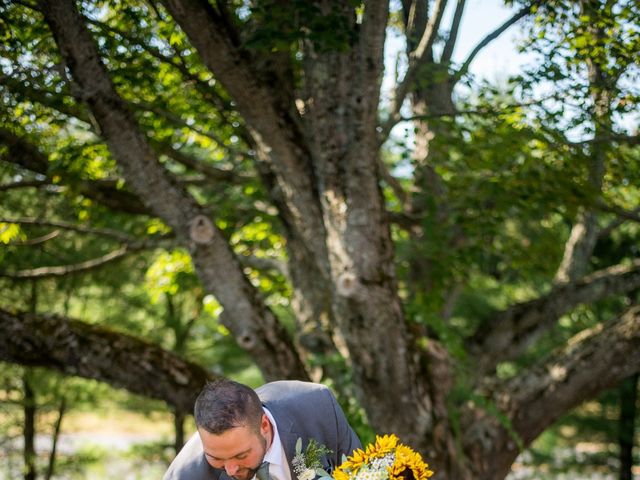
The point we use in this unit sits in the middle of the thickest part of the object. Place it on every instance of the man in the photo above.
(240, 429)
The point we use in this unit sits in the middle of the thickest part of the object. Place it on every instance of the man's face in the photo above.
(239, 451)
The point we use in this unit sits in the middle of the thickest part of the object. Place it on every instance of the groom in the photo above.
(240, 430)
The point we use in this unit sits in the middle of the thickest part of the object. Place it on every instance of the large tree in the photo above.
(221, 119)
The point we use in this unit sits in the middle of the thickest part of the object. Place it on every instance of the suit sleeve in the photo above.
(190, 463)
(347, 440)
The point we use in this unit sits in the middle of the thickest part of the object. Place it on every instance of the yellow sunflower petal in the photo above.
(338, 474)
(408, 459)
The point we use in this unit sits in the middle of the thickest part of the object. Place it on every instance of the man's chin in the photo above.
(243, 476)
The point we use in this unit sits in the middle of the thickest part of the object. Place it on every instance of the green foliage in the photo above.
(278, 27)
(571, 42)
(313, 453)
(168, 274)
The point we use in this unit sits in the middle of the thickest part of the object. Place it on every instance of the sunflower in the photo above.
(382, 446)
(385, 459)
(408, 464)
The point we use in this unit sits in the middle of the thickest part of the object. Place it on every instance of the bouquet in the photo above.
(386, 459)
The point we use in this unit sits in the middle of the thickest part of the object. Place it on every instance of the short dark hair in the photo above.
(225, 404)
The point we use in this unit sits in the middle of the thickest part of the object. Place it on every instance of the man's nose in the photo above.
(231, 468)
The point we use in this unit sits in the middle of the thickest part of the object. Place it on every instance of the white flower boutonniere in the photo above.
(307, 464)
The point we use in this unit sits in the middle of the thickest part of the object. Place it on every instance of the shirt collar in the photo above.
(273, 454)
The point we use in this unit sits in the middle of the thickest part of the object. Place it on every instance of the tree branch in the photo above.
(212, 34)
(246, 315)
(409, 9)
(490, 38)
(53, 100)
(103, 232)
(450, 44)
(110, 198)
(507, 334)
(64, 270)
(91, 351)
(633, 215)
(204, 89)
(606, 231)
(48, 98)
(22, 152)
(261, 263)
(404, 220)
(24, 184)
(428, 36)
(273, 121)
(125, 141)
(498, 110)
(416, 60)
(176, 120)
(35, 241)
(393, 183)
(527, 404)
(579, 371)
(212, 173)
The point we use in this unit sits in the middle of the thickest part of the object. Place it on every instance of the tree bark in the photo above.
(90, 351)
(341, 119)
(578, 248)
(29, 435)
(626, 425)
(178, 427)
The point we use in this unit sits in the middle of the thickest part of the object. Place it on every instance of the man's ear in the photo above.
(265, 426)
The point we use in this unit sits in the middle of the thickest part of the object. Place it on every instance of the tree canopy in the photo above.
(459, 257)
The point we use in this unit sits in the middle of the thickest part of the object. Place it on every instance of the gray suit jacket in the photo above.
(301, 410)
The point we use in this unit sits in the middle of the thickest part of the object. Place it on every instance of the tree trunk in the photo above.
(178, 427)
(29, 429)
(584, 234)
(54, 440)
(626, 425)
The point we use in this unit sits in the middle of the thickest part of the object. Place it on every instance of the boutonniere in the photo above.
(307, 464)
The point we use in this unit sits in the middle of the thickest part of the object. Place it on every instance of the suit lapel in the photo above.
(288, 435)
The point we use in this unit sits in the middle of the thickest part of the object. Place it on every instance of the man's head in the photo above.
(234, 430)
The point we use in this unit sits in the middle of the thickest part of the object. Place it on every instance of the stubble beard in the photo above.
(251, 472)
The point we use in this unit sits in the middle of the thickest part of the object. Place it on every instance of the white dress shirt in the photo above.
(278, 465)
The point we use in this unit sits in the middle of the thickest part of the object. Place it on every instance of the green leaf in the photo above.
(299, 446)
